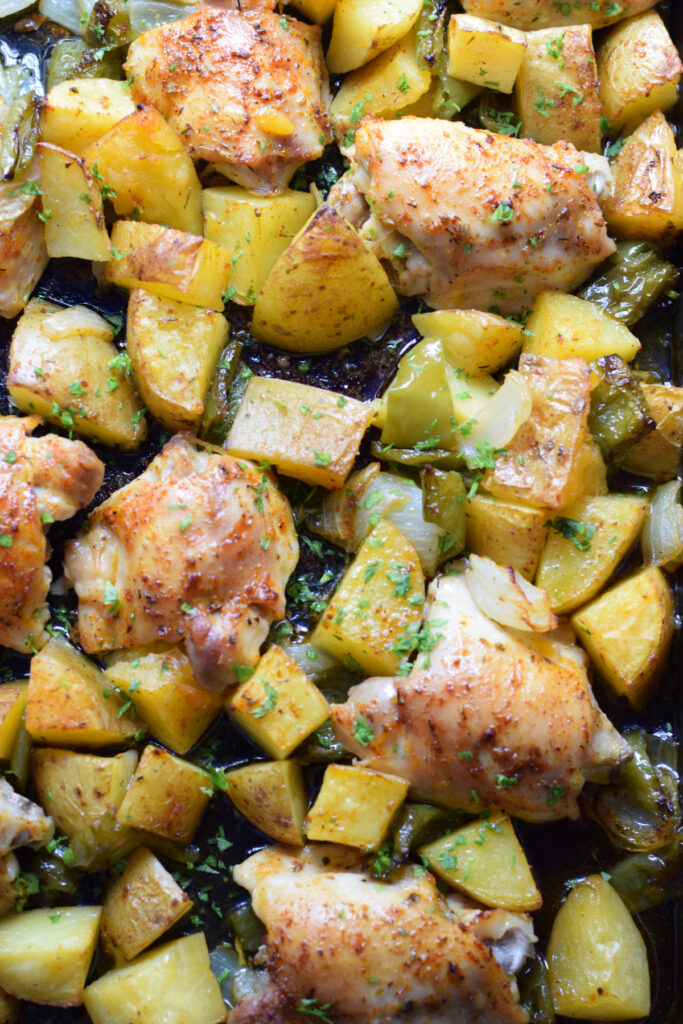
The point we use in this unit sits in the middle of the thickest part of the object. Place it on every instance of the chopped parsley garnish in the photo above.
(362, 731)
(578, 533)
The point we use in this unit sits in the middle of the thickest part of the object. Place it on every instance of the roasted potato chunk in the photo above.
(12, 706)
(139, 906)
(484, 52)
(72, 206)
(64, 366)
(478, 343)
(326, 289)
(563, 326)
(639, 70)
(79, 111)
(509, 534)
(658, 455)
(174, 348)
(272, 796)
(166, 797)
(627, 632)
(355, 806)
(364, 28)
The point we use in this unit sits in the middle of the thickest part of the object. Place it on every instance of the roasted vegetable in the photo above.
(509, 534)
(81, 110)
(272, 796)
(167, 796)
(564, 326)
(73, 58)
(20, 132)
(226, 391)
(355, 806)
(534, 991)
(444, 503)
(364, 28)
(658, 454)
(636, 277)
(619, 414)
(484, 52)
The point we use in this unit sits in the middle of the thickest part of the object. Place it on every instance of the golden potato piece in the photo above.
(70, 702)
(167, 796)
(478, 343)
(278, 706)
(509, 534)
(72, 206)
(146, 164)
(377, 604)
(585, 545)
(484, 52)
(45, 954)
(171, 263)
(364, 28)
(79, 111)
(564, 326)
(326, 289)
(12, 705)
(254, 230)
(598, 966)
(308, 433)
(659, 454)
(639, 70)
(65, 367)
(317, 11)
(174, 349)
(355, 806)
(9, 1008)
(556, 93)
(139, 906)
(486, 861)
(647, 198)
(173, 983)
(627, 632)
(272, 796)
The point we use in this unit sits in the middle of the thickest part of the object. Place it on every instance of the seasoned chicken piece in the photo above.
(41, 479)
(531, 14)
(200, 547)
(487, 717)
(23, 255)
(470, 219)
(9, 891)
(374, 954)
(22, 823)
(247, 91)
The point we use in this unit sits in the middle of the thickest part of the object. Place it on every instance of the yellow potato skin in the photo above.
(364, 28)
(355, 806)
(659, 454)
(79, 111)
(272, 796)
(167, 796)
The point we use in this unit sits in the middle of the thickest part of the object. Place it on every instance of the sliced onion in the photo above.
(146, 14)
(501, 416)
(408, 517)
(506, 597)
(225, 964)
(337, 517)
(76, 320)
(310, 659)
(72, 14)
(662, 539)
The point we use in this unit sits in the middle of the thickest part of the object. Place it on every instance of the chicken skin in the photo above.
(376, 953)
(532, 14)
(247, 91)
(470, 219)
(42, 479)
(200, 547)
(487, 718)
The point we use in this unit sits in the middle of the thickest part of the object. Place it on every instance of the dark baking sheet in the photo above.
(557, 851)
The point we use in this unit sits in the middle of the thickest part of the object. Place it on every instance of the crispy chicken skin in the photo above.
(374, 953)
(41, 479)
(199, 546)
(487, 718)
(470, 219)
(247, 91)
(532, 14)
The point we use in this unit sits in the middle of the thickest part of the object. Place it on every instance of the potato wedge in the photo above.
(167, 796)
(508, 533)
(12, 706)
(647, 198)
(146, 164)
(79, 111)
(627, 632)
(139, 906)
(659, 454)
(171, 983)
(639, 69)
(254, 230)
(378, 601)
(71, 703)
(64, 366)
(478, 343)
(278, 706)
(531, 14)
(486, 861)
(171, 263)
(326, 289)
(585, 545)
(272, 796)
(597, 960)
(355, 806)
(484, 52)
(308, 433)
(563, 326)
(72, 206)
(556, 93)
(364, 28)
(45, 954)
(174, 349)
(317, 11)
(390, 82)
(166, 695)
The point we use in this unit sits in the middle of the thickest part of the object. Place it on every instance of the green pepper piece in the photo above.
(417, 824)
(415, 459)
(226, 391)
(619, 414)
(645, 880)
(20, 134)
(444, 502)
(419, 405)
(534, 991)
(109, 24)
(72, 58)
(429, 33)
(496, 115)
(246, 927)
(19, 760)
(636, 277)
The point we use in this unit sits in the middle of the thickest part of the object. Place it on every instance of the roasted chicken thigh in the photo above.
(488, 717)
(200, 547)
(470, 219)
(376, 953)
(246, 90)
